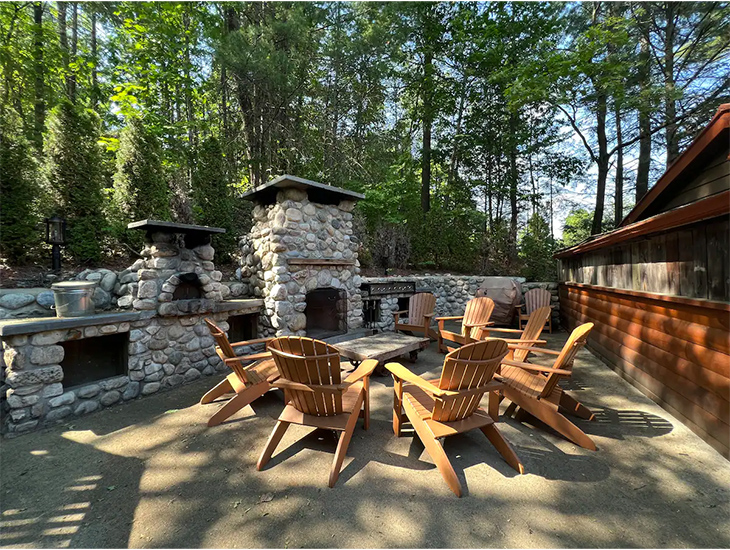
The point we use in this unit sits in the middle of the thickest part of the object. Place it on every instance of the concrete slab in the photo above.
(149, 473)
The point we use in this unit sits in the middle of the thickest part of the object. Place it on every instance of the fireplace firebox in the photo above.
(91, 359)
(326, 312)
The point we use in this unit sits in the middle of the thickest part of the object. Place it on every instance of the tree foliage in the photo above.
(73, 173)
(19, 191)
(140, 189)
(460, 122)
(213, 202)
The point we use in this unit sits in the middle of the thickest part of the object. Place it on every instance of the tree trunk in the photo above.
(602, 162)
(94, 60)
(453, 162)
(670, 105)
(74, 49)
(513, 180)
(63, 39)
(642, 171)
(40, 105)
(619, 182)
(427, 124)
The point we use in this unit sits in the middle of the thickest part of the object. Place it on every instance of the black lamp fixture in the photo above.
(56, 236)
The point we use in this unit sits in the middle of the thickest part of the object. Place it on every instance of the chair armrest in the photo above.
(311, 388)
(401, 373)
(251, 342)
(475, 325)
(428, 315)
(536, 350)
(365, 369)
(452, 318)
(512, 342)
(535, 368)
(511, 330)
(252, 357)
(397, 314)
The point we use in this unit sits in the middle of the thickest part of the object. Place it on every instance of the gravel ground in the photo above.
(149, 473)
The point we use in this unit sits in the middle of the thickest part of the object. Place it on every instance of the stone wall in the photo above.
(163, 352)
(452, 293)
(291, 229)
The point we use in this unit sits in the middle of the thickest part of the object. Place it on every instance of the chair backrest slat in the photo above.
(576, 340)
(225, 350)
(535, 298)
(467, 368)
(533, 329)
(313, 363)
(419, 305)
(478, 311)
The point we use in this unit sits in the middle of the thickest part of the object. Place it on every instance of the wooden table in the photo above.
(383, 346)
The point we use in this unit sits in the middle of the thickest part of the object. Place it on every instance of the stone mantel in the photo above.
(320, 261)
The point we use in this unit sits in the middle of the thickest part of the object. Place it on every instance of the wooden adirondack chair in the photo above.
(248, 382)
(529, 336)
(316, 396)
(450, 405)
(421, 308)
(535, 389)
(534, 299)
(476, 315)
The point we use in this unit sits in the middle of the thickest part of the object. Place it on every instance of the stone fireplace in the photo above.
(176, 275)
(301, 258)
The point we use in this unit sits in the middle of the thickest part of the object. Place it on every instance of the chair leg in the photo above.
(271, 444)
(397, 406)
(503, 446)
(344, 442)
(556, 421)
(440, 341)
(437, 454)
(510, 409)
(575, 408)
(222, 388)
(494, 400)
(237, 402)
(366, 404)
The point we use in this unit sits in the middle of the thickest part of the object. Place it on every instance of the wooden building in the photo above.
(658, 288)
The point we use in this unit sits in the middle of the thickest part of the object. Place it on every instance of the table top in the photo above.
(382, 346)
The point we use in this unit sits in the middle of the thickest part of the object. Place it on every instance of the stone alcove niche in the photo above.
(326, 312)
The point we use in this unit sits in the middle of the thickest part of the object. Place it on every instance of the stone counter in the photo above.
(159, 353)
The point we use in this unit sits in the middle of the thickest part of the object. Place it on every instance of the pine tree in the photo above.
(536, 250)
(18, 193)
(140, 189)
(73, 167)
(213, 201)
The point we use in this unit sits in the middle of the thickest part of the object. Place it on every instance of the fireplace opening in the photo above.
(188, 288)
(243, 327)
(92, 359)
(326, 312)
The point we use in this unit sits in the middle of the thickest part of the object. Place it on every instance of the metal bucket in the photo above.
(74, 298)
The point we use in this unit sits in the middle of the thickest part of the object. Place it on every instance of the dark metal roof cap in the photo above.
(318, 192)
(172, 227)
